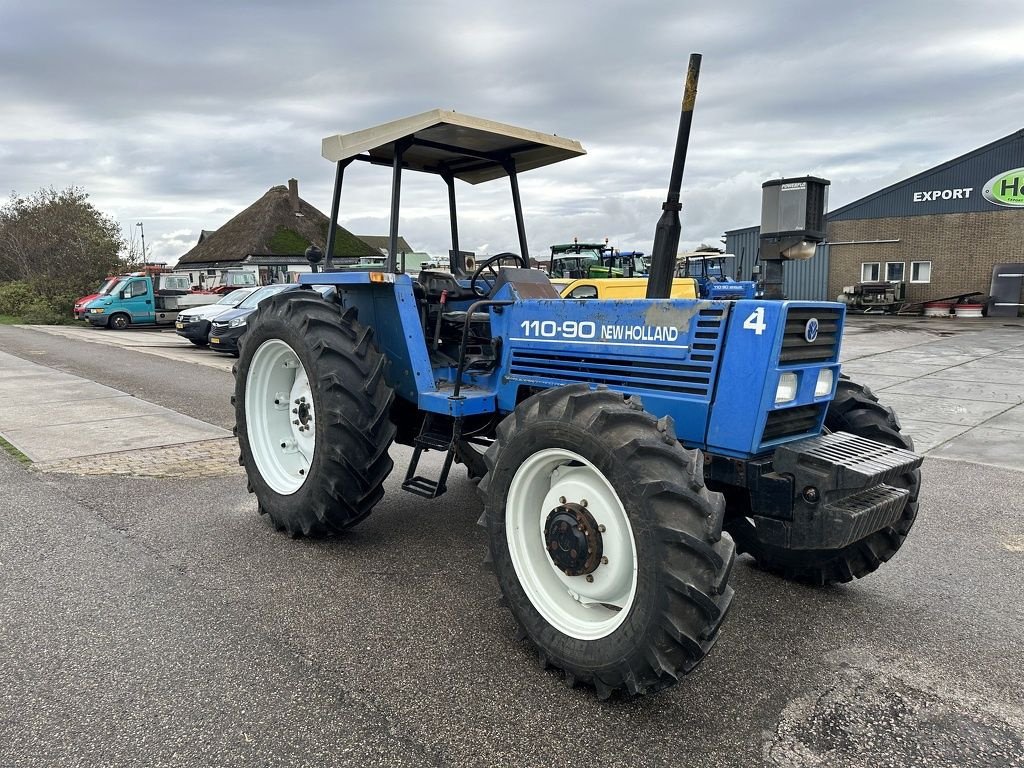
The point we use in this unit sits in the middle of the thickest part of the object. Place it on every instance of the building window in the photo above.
(894, 271)
(920, 271)
(869, 272)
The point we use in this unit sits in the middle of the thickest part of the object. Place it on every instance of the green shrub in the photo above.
(41, 312)
(16, 297)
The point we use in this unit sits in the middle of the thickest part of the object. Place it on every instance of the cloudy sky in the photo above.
(181, 114)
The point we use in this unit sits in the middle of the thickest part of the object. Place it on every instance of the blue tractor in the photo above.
(625, 450)
(711, 271)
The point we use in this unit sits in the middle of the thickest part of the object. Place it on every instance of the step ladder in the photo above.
(438, 433)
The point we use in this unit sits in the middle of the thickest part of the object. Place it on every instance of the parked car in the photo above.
(194, 323)
(105, 287)
(620, 288)
(228, 328)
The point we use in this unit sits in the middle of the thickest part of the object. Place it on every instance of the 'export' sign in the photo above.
(1006, 188)
(943, 194)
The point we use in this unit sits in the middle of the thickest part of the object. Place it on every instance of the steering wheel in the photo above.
(489, 266)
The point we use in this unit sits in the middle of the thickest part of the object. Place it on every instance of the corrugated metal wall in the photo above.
(953, 187)
(803, 280)
(743, 244)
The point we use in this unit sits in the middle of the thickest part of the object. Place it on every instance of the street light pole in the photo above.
(142, 229)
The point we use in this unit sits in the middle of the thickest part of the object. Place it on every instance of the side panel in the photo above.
(667, 352)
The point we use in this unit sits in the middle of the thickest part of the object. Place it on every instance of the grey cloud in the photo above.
(183, 114)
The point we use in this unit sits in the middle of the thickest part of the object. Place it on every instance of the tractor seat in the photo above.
(459, 317)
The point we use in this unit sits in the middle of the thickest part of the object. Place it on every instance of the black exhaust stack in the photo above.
(666, 235)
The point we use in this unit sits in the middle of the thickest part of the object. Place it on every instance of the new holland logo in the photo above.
(1006, 188)
(811, 330)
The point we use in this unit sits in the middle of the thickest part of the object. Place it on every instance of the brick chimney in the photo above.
(293, 195)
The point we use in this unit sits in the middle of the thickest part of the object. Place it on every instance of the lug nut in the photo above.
(295, 422)
(561, 499)
(590, 578)
(604, 561)
(583, 502)
(601, 528)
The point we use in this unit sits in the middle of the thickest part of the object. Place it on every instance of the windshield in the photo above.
(235, 297)
(261, 294)
(107, 287)
(572, 266)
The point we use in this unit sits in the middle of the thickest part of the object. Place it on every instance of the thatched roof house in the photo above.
(273, 232)
(381, 243)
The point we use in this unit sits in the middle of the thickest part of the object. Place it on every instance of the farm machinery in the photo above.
(625, 450)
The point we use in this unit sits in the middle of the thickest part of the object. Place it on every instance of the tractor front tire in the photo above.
(312, 414)
(856, 410)
(606, 544)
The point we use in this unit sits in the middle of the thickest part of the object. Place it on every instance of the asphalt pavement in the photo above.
(159, 621)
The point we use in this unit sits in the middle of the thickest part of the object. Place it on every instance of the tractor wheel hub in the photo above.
(573, 540)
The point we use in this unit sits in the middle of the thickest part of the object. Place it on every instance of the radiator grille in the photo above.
(796, 349)
(790, 422)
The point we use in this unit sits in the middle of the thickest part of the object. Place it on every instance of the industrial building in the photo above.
(940, 233)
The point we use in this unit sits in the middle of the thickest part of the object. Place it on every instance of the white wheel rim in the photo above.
(280, 417)
(585, 610)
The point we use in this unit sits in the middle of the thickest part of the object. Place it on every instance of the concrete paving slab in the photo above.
(1016, 353)
(986, 445)
(875, 381)
(46, 389)
(925, 357)
(1012, 420)
(868, 344)
(50, 415)
(894, 368)
(968, 413)
(990, 369)
(928, 435)
(91, 438)
(946, 385)
(77, 411)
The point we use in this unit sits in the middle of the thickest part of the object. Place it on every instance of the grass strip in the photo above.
(18, 455)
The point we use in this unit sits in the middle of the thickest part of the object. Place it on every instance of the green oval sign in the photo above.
(1007, 189)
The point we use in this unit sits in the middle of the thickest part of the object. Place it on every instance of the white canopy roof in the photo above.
(470, 148)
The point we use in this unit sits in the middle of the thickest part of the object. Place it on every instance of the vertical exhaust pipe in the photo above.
(666, 234)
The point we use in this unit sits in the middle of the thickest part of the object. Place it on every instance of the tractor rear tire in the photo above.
(312, 414)
(650, 607)
(856, 410)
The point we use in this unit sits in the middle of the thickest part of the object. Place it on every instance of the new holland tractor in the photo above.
(626, 450)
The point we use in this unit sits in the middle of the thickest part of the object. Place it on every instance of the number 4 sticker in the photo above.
(756, 321)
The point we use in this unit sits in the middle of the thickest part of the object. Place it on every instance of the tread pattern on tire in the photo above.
(673, 625)
(857, 410)
(354, 432)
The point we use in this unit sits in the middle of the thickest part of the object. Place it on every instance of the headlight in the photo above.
(97, 311)
(824, 383)
(237, 322)
(786, 390)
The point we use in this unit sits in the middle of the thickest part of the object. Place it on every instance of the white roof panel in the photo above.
(470, 148)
